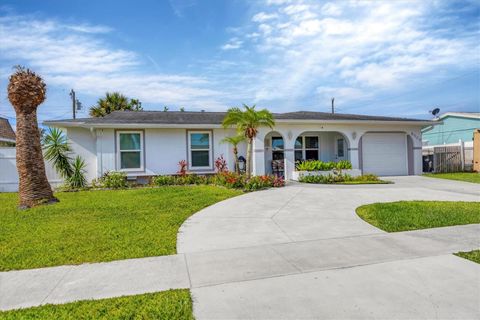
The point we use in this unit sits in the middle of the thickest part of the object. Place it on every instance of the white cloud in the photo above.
(233, 43)
(262, 16)
(74, 56)
(331, 9)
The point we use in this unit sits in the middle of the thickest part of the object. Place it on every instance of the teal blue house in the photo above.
(456, 126)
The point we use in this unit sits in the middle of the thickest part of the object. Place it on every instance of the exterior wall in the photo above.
(82, 142)
(452, 130)
(163, 149)
(9, 174)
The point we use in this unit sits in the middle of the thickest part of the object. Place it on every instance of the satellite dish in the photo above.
(435, 111)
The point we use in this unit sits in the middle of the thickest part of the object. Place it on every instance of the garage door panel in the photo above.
(384, 153)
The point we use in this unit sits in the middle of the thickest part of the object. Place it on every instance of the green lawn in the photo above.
(471, 255)
(460, 176)
(172, 304)
(92, 226)
(413, 215)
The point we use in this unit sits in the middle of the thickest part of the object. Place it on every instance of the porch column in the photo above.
(258, 156)
(289, 154)
(354, 149)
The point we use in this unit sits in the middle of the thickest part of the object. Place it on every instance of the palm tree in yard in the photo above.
(113, 102)
(234, 141)
(26, 91)
(247, 122)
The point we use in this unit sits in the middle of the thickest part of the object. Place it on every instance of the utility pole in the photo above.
(333, 105)
(72, 95)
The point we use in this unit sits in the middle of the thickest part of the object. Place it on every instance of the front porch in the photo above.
(280, 157)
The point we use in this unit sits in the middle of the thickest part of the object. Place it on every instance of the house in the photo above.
(7, 135)
(146, 143)
(456, 130)
(453, 126)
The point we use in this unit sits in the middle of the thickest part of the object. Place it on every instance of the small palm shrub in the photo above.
(56, 149)
(77, 180)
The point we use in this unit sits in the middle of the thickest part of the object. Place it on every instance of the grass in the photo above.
(172, 304)
(365, 182)
(413, 215)
(473, 177)
(471, 255)
(93, 226)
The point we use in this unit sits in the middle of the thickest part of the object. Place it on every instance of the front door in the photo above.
(340, 152)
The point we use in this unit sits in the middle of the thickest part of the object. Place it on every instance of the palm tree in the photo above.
(113, 102)
(234, 141)
(247, 122)
(26, 91)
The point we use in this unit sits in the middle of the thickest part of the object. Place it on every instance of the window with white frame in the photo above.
(340, 148)
(306, 148)
(130, 150)
(200, 150)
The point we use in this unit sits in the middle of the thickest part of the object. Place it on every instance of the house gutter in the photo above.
(209, 126)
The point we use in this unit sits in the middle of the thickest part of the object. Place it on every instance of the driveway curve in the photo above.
(302, 212)
(301, 252)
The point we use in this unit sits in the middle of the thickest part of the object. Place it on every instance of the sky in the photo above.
(394, 58)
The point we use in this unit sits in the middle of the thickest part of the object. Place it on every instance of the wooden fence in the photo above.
(447, 159)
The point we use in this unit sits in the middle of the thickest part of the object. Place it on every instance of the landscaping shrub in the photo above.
(317, 165)
(111, 180)
(226, 179)
(77, 179)
(339, 178)
(221, 164)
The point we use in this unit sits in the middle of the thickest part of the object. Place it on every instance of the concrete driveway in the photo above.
(302, 252)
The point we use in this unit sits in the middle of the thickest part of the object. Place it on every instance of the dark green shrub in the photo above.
(111, 180)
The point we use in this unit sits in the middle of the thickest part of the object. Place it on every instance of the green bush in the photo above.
(111, 180)
(344, 164)
(226, 179)
(317, 165)
(338, 178)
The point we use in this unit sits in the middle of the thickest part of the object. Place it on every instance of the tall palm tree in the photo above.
(247, 122)
(26, 91)
(234, 141)
(112, 102)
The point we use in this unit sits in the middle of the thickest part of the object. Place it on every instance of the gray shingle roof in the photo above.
(188, 117)
(6, 131)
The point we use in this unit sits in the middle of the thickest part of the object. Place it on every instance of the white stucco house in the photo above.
(146, 143)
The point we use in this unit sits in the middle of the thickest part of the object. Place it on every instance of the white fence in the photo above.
(9, 174)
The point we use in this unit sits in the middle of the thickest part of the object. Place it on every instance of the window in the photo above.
(340, 148)
(130, 150)
(306, 148)
(200, 149)
(277, 148)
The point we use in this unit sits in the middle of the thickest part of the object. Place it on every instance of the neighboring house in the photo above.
(7, 135)
(453, 129)
(146, 143)
(453, 126)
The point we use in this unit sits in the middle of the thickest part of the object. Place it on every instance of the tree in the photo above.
(247, 122)
(113, 102)
(26, 91)
(234, 141)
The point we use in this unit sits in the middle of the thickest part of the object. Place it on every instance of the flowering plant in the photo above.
(183, 167)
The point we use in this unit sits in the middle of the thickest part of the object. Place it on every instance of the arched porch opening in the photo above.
(321, 145)
(274, 144)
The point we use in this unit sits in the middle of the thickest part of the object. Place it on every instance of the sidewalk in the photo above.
(210, 268)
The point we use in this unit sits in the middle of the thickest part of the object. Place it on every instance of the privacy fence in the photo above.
(9, 175)
(448, 158)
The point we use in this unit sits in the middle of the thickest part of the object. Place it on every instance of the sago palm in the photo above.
(26, 91)
(247, 122)
(235, 141)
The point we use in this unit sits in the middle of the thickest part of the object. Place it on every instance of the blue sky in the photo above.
(399, 58)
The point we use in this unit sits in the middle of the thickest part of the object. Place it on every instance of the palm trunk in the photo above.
(249, 158)
(235, 154)
(34, 188)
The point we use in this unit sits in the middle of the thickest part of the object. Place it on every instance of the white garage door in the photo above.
(385, 154)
